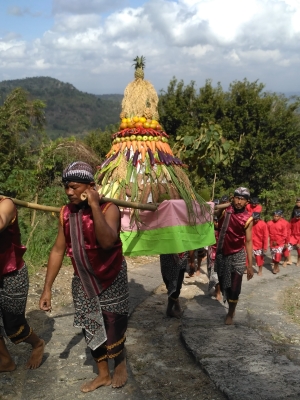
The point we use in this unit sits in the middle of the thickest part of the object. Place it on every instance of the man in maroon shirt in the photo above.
(235, 235)
(13, 291)
(89, 233)
(278, 238)
(260, 237)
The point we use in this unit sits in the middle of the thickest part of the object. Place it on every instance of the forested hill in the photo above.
(68, 110)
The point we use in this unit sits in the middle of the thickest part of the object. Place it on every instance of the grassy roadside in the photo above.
(291, 302)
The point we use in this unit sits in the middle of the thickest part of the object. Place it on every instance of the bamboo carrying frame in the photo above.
(120, 203)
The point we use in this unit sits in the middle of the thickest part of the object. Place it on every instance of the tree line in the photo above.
(243, 136)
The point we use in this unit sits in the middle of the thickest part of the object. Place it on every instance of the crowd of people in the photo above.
(89, 233)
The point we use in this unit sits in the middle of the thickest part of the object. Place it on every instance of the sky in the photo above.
(91, 44)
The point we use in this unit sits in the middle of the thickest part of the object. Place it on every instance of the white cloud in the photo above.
(191, 39)
(86, 7)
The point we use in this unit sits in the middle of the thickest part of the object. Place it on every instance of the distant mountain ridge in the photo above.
(68, 110)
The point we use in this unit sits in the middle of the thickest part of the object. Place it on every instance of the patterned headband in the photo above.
(242, 192)
(78, 171)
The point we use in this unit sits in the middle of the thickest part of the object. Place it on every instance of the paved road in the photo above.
(258, 357)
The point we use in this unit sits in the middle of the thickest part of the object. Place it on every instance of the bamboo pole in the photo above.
(121, 203)
(34, 206)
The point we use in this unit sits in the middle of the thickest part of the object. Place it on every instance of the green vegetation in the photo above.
(68, 110)
(262, 132)
(243, 136)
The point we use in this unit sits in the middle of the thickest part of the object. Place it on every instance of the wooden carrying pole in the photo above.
(121, 203)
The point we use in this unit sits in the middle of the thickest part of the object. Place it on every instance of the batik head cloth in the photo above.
(278, 212)
(297, 213)
(256, 215)
(242, 192)
(78, 171)
(224, 199)
(254, 200)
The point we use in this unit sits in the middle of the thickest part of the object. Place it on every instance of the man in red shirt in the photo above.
(260, 237)
(295, 233)
(235, 235)
(296, 207)
(278, 238)
(254, 206)
(288, 246)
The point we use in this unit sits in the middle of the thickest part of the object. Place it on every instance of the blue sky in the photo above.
(91, 43)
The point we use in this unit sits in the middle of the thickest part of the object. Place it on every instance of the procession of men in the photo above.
(89, 233)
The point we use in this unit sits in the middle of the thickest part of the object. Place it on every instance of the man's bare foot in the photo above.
(298, 264)
(174, 313)
(289, 263)
(36, 356)
(197, 272)
(276, 270)
(228, 320)
(284, 264)
(95, 383)
(120, 372)
(218, 296)
(7, 365)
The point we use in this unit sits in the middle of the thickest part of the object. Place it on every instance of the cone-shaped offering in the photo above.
(140, 165)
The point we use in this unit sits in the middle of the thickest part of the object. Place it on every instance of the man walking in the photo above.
(260, 237)
(14, 285)
(89, 233)
(235, 236)
(278, 238)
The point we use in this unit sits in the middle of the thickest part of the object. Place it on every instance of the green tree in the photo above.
(262, 128)
(21, 128)
(267, 128)
(100, 141)
(189, 118)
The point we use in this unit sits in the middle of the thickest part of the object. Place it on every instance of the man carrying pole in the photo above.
(89, 233)
(235, 235)
(14, 285)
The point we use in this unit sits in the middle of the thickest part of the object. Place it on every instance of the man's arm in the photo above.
(106, 225)
(54, 264)
(219, 209)
(248, 245)
(7, 213)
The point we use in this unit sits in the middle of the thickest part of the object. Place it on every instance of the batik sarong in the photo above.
(173, 267)
(276, 253)
(113, 300)
(259, 257)
(230, 269)
(13, 297)
(211, 272)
